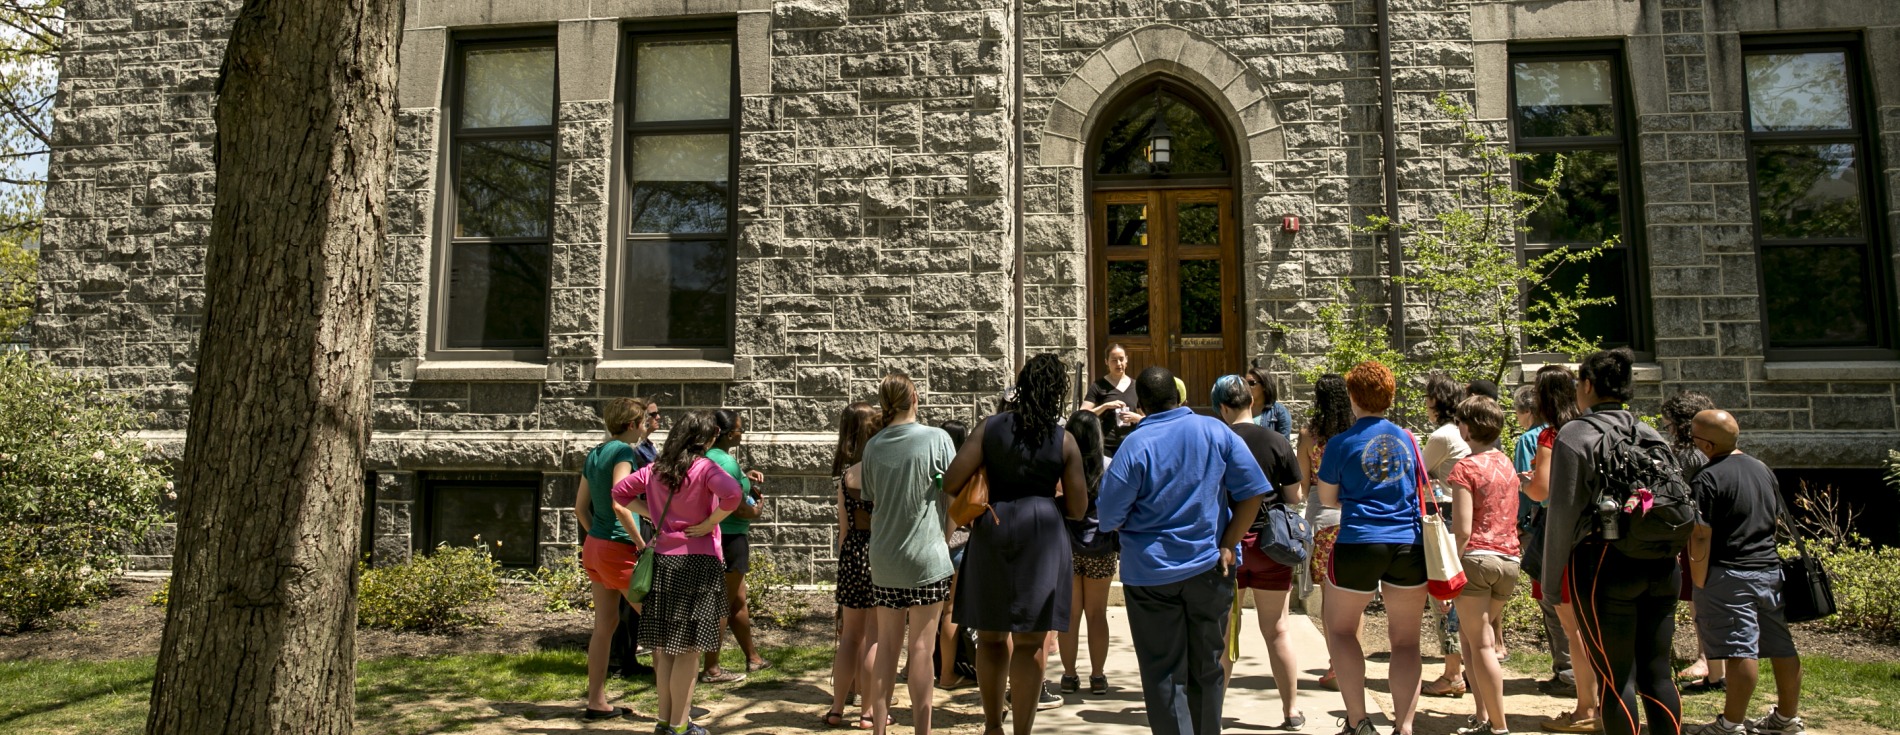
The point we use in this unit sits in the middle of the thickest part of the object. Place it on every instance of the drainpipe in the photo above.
(1389, 130)
(1021, 321)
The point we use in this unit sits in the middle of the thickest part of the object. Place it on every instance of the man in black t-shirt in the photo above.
(1739, 606)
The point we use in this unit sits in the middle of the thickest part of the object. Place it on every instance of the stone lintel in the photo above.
(651, 370)
(1642, 372)
(1833, 371)
(484, 371)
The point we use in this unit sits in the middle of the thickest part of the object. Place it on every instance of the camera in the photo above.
(1606, 519)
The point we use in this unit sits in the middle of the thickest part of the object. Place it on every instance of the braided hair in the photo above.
(1332, 407)
(692, 435)
(1041, 387)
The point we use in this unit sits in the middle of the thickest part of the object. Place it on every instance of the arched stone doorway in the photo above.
(1164, 257)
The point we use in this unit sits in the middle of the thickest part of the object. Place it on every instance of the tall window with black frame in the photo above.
(1572, 104)
(677, 266)
(502, 165)
(1825, 285)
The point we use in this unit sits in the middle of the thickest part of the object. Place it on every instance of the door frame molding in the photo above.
(1094, 255)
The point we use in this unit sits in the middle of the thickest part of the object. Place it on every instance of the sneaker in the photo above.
(1721, 726)
(1556, 687)
(1071, 683)
(693, 728)
(1774, 724)
(1098, 685)
(1049, 699)
(1365, 728)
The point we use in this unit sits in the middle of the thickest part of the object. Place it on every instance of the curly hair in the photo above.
(1041, 387)
(1678, 415)
(692, 435)
(1371, 385)
(1332, 410)
(1442, 394)
(1086, 427)
(856, 425)
(1556, 396)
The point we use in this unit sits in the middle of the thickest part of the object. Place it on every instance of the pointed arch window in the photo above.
(1161, 134)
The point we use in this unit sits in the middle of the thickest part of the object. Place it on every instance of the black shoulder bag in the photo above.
(1806, 591)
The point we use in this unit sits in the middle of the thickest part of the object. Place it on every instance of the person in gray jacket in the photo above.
(1626, 606)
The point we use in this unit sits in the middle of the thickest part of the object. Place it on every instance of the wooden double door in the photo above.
(1166, 282)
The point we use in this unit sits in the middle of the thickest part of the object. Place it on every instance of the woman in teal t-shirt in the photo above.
(610, 550)
(737, 548)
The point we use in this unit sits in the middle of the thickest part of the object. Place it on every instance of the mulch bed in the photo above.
(127, 625)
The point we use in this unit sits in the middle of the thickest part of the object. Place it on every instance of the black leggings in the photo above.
(1627, 609)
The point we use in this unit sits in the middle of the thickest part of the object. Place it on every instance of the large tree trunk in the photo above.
(261, 632)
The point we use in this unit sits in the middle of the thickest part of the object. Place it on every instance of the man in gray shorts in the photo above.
(1739, 605)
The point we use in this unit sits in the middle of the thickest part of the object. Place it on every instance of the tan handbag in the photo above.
(972, 501)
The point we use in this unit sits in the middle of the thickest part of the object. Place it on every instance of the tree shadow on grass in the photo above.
(77, 698)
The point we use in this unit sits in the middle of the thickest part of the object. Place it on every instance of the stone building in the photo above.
(767, 204)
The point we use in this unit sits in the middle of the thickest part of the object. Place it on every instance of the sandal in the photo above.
(867, 722)
(1329, 680)
(1442, 687)
(1297, 721)
(1705, 684)
(833, 719)
(723, 677)
(961, 682)
(757, 667)
(607, 714)
(1568, 722)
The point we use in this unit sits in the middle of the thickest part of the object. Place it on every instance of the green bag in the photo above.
(642, 581)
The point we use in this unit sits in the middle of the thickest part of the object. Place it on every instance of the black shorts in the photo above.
(738, 552)
(1362, 567)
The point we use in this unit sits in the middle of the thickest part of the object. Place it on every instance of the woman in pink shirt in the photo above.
(1484, 518)
(686, 495)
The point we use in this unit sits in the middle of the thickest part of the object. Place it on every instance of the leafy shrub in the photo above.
(75, 490)
(1864, 575)
(162, 597)
(562, 587)
(444, 590)
(771, 594)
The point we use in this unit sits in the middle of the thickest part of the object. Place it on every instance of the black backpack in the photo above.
(1621, 467)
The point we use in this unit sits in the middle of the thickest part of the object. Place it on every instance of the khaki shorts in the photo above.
(1489, 576)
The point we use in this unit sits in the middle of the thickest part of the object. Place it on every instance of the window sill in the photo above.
(481, 371)
(1642, 372)
(1833, 371)
(624, 371)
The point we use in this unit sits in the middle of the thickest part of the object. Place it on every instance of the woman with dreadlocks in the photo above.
(1017, 567)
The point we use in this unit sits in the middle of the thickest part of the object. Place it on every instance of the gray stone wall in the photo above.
(884, 165)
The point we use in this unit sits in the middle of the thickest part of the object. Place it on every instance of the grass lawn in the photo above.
(1832, 690)
(393, 695)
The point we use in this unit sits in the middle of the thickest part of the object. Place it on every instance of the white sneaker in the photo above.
(1720, 726)
(1774, 724)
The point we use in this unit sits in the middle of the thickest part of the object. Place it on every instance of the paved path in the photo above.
(1252, 704)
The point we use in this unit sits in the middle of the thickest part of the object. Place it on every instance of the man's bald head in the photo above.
(1718, 429)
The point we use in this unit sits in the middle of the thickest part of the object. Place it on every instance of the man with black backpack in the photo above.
(1619, 514)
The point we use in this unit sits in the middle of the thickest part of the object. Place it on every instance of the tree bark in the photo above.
(260, 637)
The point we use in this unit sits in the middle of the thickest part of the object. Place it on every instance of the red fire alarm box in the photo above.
(1290, 223)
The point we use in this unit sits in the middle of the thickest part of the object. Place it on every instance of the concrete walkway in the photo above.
(1252, 704)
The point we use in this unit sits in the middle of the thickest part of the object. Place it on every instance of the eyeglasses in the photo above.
(1693, 438)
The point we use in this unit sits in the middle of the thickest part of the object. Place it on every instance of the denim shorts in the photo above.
(1739, 614)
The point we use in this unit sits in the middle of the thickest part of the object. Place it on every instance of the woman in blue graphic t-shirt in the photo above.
(1370, 471)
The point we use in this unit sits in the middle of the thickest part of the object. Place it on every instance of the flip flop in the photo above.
(607, 714)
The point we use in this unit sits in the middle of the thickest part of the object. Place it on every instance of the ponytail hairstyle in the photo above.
(896, 395)
(620, 414)
(856, 425)
(1086, 427)
(727, 420)
(1041, 387)
(692, 435)
(1556, 396)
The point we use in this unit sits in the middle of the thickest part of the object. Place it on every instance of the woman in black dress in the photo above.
(857, 635)
(1015, 586)
(1112, 399)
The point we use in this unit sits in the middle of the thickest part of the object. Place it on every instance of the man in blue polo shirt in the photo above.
(1182, 490)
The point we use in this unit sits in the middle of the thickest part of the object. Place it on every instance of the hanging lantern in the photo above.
(1160, 138)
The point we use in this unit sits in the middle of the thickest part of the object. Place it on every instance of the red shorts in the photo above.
(1260, 572)
(609, 563)
(1537, 589)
